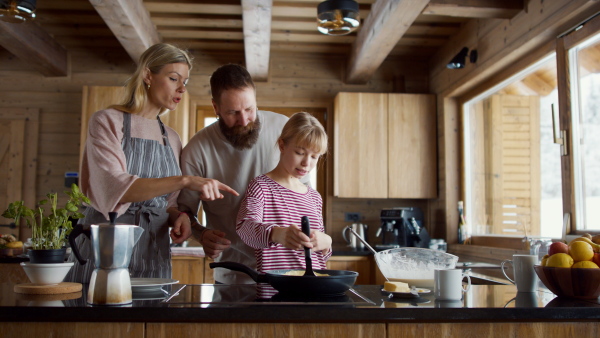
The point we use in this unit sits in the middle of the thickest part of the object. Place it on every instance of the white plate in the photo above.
(150, 284)
(420, 291)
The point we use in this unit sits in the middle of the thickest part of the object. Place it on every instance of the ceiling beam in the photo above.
(500, 9)
(387, 22)
(256, 15)
(34, 46)
(130, 22)
(538, 85)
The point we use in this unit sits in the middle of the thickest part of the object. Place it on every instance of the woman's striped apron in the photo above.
(151, 257)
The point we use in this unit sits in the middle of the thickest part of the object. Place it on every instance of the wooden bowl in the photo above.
(570, 282)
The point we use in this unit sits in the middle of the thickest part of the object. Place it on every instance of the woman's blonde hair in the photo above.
(154, 59)
(305, 131)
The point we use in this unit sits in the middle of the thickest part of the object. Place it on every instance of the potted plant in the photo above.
(51, 227)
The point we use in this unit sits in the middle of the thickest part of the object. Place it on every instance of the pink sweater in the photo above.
(268, 204)
(103, 175)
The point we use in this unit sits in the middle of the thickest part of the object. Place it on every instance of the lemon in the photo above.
(544, 260)
(15, 244)
(560, 260)
(581, 251)
(585, 265)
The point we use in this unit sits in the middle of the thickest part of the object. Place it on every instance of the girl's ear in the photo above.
(280, 144)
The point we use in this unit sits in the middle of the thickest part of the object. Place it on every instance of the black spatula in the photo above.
(306, 230)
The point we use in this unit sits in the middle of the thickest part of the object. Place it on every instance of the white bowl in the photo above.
(414, 266)
(47, 273)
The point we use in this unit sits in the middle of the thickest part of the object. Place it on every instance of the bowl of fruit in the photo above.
(572, 270)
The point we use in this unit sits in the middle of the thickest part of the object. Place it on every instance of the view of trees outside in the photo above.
(590, 151)
(551, 214)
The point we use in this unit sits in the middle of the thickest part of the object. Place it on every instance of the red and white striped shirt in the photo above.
(268, 204)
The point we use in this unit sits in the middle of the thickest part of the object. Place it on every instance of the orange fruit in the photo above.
(544, 260)
(585, 265)
(581, 251)
(560, 260)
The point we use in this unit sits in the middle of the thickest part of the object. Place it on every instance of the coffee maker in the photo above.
(402, 227)
(112, 245)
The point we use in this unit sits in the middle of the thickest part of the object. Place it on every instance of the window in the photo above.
(516, 180)
(584, 68)
(512, 166)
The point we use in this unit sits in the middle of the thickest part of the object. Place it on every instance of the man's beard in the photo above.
(239, 136)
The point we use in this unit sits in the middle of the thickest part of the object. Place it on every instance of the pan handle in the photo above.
(255, 275)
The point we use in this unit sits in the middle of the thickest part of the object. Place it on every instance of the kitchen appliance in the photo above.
(353, 242)
(402, 227)
(112, 245)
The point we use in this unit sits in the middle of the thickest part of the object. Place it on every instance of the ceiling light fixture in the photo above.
(460, 59)
(337, 17)
(16, 11)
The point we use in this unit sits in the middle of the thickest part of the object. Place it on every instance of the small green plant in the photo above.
(49, 232)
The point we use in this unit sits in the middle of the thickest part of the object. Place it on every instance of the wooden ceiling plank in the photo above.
(33, 45)
(289, 11)
(382, 29)
(500, 9)
(200, 34)
(130, 22)
(167, 7)
(257, 37)
(191, 22)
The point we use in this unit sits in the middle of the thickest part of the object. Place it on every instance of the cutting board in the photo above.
(45, 289)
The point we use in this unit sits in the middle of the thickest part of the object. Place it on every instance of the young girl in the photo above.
(270, 214)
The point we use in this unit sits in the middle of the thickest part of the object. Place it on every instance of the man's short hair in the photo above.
(230, 76)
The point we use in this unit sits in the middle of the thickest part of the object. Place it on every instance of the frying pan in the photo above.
(335, 284)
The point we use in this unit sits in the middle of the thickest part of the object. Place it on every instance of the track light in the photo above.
(16, 11)
(337, 17)
(460, 60)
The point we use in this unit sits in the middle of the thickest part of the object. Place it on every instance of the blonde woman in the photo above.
(131, 165)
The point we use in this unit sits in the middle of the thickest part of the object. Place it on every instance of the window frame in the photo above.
(560, 47)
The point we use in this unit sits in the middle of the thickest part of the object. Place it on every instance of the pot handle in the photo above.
(255, 275)
(345, 234)
(78, 229)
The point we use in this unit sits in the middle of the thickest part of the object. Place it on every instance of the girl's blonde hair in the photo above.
(305, 131)
(154, 59)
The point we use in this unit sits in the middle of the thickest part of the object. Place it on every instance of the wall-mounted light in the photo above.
(17, 11)
(337, 17)
(460, 60)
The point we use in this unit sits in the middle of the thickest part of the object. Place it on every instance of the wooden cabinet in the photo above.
(188, 269)
(385, 146)
(192, 270)
(364, 265)
(360, 145)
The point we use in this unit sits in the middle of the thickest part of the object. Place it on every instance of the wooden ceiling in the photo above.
(257, 27)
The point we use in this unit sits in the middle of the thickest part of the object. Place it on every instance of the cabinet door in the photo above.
(360, 145)
(360, 264)
(412, 152)
(188, 269)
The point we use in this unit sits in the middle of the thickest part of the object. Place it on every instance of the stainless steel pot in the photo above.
(361, 230)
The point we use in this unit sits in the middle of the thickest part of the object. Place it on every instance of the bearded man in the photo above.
(236, 149)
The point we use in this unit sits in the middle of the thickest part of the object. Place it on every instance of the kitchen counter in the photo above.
(239, 303)
(233, 310)
(344, 250)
